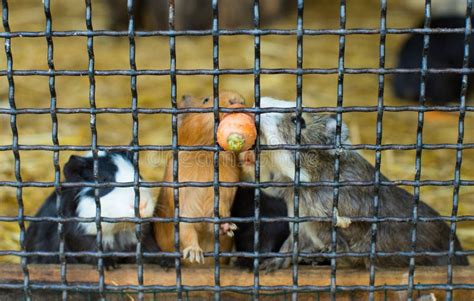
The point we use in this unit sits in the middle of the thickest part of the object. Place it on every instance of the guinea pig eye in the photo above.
(302, 122)
(205, 100)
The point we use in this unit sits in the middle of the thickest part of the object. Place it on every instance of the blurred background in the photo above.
(111, 53)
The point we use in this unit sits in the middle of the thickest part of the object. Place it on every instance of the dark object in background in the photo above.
(194, 14)
(272, 234)
(445, 51)
(80, 202)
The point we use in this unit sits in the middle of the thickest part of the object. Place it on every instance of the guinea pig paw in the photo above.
(272, 264)
(193, 253)
(342, 221)
(430, 297)
(166, 263)
(110, 264)
(228, 229)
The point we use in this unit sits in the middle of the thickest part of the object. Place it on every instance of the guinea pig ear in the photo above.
(186, 101)
(128, 155)
(75, 168)
(331, 125)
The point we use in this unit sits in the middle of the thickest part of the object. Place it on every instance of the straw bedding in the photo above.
(70, 53)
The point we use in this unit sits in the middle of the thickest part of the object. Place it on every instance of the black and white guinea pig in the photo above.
(115, 202)
(272, 234)
(445, 51)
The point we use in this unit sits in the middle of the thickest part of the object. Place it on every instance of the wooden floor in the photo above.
(85, 275)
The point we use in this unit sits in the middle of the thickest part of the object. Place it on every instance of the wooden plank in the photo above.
(204, 276)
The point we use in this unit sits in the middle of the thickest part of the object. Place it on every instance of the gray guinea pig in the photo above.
(354, 201)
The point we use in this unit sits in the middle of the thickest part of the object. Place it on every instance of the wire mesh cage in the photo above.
(65, 280)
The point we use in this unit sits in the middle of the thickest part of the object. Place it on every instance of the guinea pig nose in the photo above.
(248, 157)
(231, 106)
(235, 100)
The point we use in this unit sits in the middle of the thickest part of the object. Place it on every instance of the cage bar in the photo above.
(65, 281)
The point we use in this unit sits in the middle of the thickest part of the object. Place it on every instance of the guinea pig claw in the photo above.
(233, 227)
(109, 264)
(193, 253)
(228, 229)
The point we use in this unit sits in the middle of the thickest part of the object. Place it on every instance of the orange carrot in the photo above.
(236, 132)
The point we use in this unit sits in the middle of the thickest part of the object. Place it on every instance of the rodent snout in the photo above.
(236, 101)
(247, 158)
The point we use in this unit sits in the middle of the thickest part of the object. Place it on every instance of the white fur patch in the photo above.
(269, 102)
(117, 203)
(331, 128)
(269, 123)
(99, 154)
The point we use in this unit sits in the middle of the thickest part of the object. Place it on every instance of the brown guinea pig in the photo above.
(198, 166)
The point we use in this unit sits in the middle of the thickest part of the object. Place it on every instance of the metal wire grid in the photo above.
(215, 72)
(154, 295)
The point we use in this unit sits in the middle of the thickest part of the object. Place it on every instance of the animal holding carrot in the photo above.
(198, 166)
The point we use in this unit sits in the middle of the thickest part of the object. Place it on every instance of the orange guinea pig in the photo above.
(198, 166)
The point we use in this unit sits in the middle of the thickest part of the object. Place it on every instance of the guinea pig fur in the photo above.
(445, 51)
(198, 166)
(115, 202)
(271, 234)
(354, 201)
